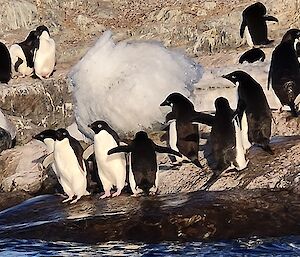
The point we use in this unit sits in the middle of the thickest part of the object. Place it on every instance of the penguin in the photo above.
(253, 110)
(44, 56)
(48, 137)
(254, 24)
(111, 169)
(284, 73)
(70, 164)
(22, 55)
(183, 135)
(143, 168)
(253, 55)
(226, 138)
(5, 64)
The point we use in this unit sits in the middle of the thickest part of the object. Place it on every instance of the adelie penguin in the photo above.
(44, 56)
(254, 24)
(257, 120)
(111, 168)
(69, 164)
(226, 137)
(284, 74)
(5, 64)
(22, 55)
(143, 168)
(183, 135)
(253, 55)
(48, 137)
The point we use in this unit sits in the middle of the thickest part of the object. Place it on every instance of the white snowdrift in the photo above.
(124, 83)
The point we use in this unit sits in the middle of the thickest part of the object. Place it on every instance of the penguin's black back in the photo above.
(285, 71)
(143, 162)
(223, 134)
(28, 47)
(5, 64)
(259, 115)
(254, 17)
(252, 55)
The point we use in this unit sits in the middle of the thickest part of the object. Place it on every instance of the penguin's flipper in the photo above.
(48, 160)
(242, 29)
(240, 109)
(17, 64)
(163, 149)
(270, 18)
(270, 75)
(170, 116)
(204, 118)
(88, 152)
(119, 149)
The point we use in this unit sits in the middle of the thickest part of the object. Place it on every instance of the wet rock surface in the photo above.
(186, 217)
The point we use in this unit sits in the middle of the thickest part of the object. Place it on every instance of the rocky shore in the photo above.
(208, 31)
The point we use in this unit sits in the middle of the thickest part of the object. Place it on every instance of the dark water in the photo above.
(287, 246)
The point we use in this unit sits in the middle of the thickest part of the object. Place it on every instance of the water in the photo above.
(285, 246)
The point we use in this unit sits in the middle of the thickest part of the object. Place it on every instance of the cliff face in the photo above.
(205, 30)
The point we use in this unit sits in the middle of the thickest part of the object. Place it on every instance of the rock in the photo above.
(8, 200)
(184, 217)
(17, 14)
(278, 171)
(36, 103)
(22, 169)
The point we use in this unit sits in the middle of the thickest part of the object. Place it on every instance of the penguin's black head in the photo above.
(256, 9)
(40, 29)
(176, 99)
(48, 133)
(141, 135)
(236, 76)
(98, 125)
(291, 35)
(31, 37)
(221, 103)
(61, 134)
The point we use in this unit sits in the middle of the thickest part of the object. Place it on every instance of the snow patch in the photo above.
(124, 83)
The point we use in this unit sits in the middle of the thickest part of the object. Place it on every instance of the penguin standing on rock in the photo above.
(254, 25)
(226, 138)
(69, 165)
(284, 74)
(44, 56)
(253, 110)
(111, 169)
(143, 170)
(22, 55)
(183, 135)
(5, 64)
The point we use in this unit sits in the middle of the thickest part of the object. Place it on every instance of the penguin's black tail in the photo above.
(293, 110)
(145, 185)
(268, 149)
(197, 163)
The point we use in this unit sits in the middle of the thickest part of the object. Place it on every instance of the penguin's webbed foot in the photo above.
(106, 194)
(68, 199)
(75, 200)
(152, 190)
(117, 193)
(268, 149)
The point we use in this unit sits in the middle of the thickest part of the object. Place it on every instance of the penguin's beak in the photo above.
(225, 77)
(165, 103)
